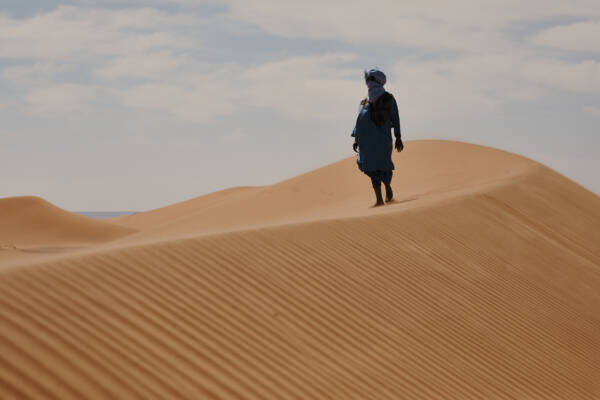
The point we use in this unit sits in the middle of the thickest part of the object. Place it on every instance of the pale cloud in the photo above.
(320, 87)
(59, 52)
(592, 110)
(236, 136)
(582, 77)
(459, 25)
(426, 91)
(117, 45)
(353, 21)
(134, 42)
(195, 103)
(36, 73)
(460, 87)
(581, 36)
(66, 98)
(150, 65)
(148, 3)
(76, 34)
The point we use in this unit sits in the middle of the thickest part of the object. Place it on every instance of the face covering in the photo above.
(375, 79)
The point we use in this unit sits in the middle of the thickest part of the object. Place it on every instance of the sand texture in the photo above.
(482, 281)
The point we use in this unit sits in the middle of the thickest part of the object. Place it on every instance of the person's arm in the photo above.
(353, 134)
(395, 118)
(355, 144)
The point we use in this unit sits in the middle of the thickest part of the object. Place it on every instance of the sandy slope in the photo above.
(32, 221)
(429, 170)
(31, 226)
(487, 285)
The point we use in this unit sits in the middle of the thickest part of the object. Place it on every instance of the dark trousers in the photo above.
(380, 176)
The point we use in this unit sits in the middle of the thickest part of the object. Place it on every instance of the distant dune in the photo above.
(31, 222)
(481, 281)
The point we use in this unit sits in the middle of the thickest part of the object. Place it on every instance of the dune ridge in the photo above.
(431, 170)
(490, 294)
(30, 221)
(31, 228)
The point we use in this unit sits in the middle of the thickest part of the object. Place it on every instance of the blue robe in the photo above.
(375, 143)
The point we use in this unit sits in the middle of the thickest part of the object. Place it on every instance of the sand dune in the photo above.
(32, 222)
(431, 170)
(31, 226)
(485, 285)
(166, 215)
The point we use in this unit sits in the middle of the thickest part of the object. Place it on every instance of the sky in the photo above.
(132, 105)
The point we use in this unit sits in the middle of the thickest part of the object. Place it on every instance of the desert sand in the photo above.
(482, 280)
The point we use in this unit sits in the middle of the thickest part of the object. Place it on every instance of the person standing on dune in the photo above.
(377, 115)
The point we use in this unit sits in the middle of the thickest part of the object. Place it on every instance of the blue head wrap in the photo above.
(375, 79)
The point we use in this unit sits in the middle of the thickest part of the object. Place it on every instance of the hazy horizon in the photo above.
(104, 214)
(134, 105)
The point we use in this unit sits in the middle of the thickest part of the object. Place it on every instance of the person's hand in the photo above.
(355, 147)
(399, 145)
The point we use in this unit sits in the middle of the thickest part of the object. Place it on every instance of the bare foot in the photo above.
(389, 194)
